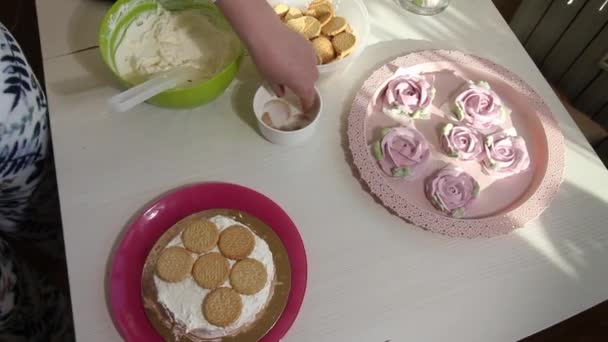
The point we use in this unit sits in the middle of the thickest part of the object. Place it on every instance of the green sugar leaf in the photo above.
(401, 172)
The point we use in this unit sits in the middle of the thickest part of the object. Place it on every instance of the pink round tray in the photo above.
(126, 305)
(503, 205)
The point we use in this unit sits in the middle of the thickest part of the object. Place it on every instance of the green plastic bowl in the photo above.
(121, 15)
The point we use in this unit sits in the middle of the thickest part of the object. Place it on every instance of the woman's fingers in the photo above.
(307, 96)
(278, 89)
(304, 88)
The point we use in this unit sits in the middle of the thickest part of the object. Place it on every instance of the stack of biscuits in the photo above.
(211, 270)
(332, 37)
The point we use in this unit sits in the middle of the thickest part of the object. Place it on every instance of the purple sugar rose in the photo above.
(405, 96)
(461, 142)
(479, 106)
(451, 190)
(506, 155)
(400, 151)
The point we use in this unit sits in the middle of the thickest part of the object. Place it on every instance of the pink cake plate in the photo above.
(502, 205)
(126, 305)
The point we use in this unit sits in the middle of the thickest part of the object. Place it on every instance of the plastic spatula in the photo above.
(140, 93)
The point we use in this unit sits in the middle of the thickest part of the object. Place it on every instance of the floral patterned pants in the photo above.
(31, 309)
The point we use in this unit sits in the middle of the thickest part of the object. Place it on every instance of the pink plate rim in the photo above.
(124, 277)
(467, 228)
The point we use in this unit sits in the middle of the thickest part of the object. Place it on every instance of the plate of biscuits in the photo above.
(208, 262)
(336, 29)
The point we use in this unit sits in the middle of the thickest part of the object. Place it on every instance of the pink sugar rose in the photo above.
(400, 151)
(461, 142)
(478, 106)
(405, 97)
(506, 155)
(451, 190)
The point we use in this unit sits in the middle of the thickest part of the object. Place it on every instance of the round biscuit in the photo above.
(293, 13)
(174, 264)
(281, 9)
(297, 24)
(317, 3)
(321, 9)
(236, 242)
(312, 27)
(222, 306)
(200, 236)
(325, 18)
(248, 276)
(319, 59)
(344, 43)
(211, 270)
(324, 49)
(334, 26)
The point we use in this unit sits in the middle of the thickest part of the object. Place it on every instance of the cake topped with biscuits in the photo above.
(213, 279)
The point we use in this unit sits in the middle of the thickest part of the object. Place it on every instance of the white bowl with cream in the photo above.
(281, 119)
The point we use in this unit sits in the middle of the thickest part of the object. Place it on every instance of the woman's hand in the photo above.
(283, 57)
(287, 59)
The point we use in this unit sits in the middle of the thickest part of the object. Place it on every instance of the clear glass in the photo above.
(425, 7)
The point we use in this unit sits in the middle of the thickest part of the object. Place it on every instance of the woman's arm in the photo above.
(282, 56)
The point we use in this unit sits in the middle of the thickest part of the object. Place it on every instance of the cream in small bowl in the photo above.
(281, 120)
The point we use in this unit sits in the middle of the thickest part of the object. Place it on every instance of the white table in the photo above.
(373, 277)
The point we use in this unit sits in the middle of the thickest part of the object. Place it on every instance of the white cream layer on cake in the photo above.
(184, 299)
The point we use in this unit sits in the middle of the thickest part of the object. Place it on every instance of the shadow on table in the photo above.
(572, 253)
(244, 87)
(97, 75)
(579, 210)
(84, 24)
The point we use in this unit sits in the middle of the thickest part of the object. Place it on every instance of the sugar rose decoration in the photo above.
(405, 97)
(400, 151)
(478, 106)
(451, 190)
(461, 142)
(505, 155)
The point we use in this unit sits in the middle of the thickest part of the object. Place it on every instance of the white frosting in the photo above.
(184, 299)
(160, 40)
